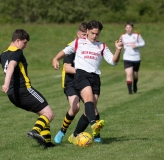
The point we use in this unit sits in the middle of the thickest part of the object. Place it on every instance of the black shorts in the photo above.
(134, 64)
(71, 91)
(83, 79)
(29, 100)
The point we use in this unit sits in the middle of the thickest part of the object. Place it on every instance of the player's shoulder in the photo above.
(13, 49)
(69, 43)
(76, 41)
(81, 39)
(123, 34)
(136, 33)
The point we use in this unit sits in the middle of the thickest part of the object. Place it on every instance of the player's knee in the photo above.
(50, 114)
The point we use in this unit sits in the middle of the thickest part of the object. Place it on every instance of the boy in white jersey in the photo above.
(72, 94)
(132, 42)
(89, 53)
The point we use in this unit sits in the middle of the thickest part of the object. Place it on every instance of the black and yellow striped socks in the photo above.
(41, 123)
(46, 134)
(66, 123)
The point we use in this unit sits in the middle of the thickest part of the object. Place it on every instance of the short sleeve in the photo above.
(69, 58)
(17, 55)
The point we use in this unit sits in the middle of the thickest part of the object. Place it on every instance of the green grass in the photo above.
(133, 123)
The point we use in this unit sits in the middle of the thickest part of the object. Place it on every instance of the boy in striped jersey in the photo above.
(89, 53)
(132, 42)
(18, 87)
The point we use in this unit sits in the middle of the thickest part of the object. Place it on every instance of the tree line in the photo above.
(72, 11)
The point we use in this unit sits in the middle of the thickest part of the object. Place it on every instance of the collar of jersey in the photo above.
(12, 48)
(94, 43)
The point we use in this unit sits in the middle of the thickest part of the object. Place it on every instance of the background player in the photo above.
(131, 56)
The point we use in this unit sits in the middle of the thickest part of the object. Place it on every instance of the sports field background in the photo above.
(133, 123)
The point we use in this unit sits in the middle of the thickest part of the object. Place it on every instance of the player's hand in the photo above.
(133, 45)
(5, 88)
(119, 44)
(55, 64)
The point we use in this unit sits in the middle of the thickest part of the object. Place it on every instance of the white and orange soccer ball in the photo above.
(84, 139)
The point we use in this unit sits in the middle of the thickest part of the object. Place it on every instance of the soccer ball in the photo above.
(84, 139)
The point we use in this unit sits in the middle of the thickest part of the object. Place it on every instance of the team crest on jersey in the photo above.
(84, 43)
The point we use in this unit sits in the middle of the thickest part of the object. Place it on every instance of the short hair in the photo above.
(20, 34)
(129, 23)
(94, 24)
(83, 27)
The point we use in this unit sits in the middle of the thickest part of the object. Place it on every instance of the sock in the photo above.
(67, 121)
(81, 125)
(129, 85)
(135, 82)
(135, 85)
(41, 123)
(90, 112)
(46, 134)
(97, 118)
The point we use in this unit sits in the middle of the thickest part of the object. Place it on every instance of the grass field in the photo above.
(134, 124)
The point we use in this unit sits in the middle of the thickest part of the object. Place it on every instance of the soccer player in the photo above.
(18, 87)
(71, 93)
(132, 42)
(89, 53)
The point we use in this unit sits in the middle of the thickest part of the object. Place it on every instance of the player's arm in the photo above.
(140, 42)
(118, 45)
(69, 69)
(109, 57)
(9, 72)
(67, 51)
(55, 61)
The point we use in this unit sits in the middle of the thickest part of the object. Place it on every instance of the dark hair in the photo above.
(129, 23)
(83, 27)
(20, 34)
(94, 24)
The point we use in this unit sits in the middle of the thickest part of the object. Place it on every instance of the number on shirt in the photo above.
(6, 65)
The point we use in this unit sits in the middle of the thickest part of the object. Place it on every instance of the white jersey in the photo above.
(132, 54)
(89, 55)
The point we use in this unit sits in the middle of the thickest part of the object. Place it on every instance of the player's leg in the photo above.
(135, 76)
(45, 115)
(135, 80)
(89, 112)
(84, 82)
(32, 100)
(74, 108)
(87, 96)
(81, 126)
(97, 138)
(42, 127)
(129, 74)
(46, 133)
(39, 105)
